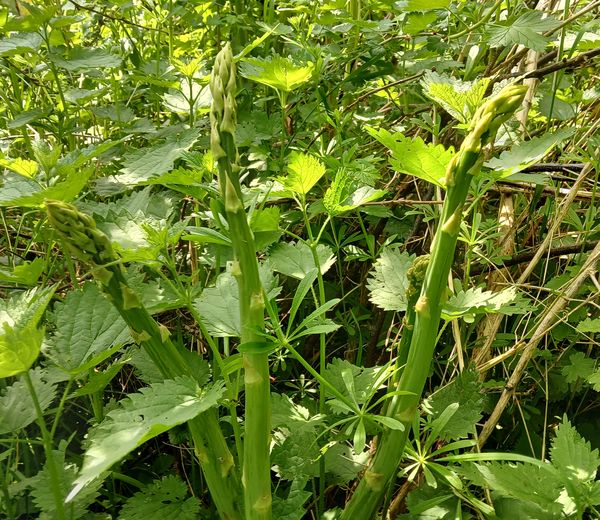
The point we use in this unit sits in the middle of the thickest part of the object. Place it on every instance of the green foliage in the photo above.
(139, 418)
(525, 30)
(277, 72)
(165, 498)
(389, 282)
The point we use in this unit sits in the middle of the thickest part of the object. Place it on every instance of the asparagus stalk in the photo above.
(466, 163)
(256, 465)
(91, 246)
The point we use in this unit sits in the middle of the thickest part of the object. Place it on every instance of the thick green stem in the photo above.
(257, 436)
(369, 493)
(92, 246)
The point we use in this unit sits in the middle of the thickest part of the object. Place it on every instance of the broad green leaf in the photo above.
(464, 390)
(474, 301)
(296, 453)
(572, 455)
(589, 325)
(425, 5)
(286, 413)
(139, 418)
(527, 153)
(416, 22)
(346, 193)
(459, 98)
(219, 306)
(579, 366)
(27, 273)
(343, 464)
(166, 499)
(86, 326)
(594, 380)
(413, 157)
(291, 507)
(43, 496)
(526, 30)
(98, 380)
(265, 227)
(20, 44)
(16, 405)
(278, 72)
(26, 117)
(388, 283)
(20, 338)
(21, 166)
(86, 58)
(304, 172)
(295, 259)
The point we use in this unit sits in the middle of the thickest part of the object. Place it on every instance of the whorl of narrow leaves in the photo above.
(80, 233)
(223, 109)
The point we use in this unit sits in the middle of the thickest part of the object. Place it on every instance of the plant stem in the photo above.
(464, 165)
(256, 456)
(50, 461)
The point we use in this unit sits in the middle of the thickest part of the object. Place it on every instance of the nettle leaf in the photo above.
(20, 338)
(291, 507)
(525, 482)
(572, 455)
(219, 306)
(467, 304)
(277, 72)
(425, 5)
(589, 326)
(86, 58)
(140, 166)
(527, 153)
(295, 454)
(27, 273)
(24, 167)
(20, 44)
(304, 171)
(525, 30)
(139, 418)
(43, 496)
(295, 259)
(459, 98)
(388, 282)
(343, 464)
(165, 499)
(346, 193)
(16, 405)
(413, 157)
(579, 366)
(464, 390)
(87, 328)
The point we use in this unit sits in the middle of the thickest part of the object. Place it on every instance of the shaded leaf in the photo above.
(526, 30)
(579, 366)
(295, 259)
(388, 283)
(139, 418)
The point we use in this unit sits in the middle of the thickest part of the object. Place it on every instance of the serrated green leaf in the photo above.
(413, 157)
(527, 153)
(20, 44)
(219, 306)
(21, 166)
(165, 499)
(43, 496)
(295, 259)
(265, 227)
(139, 418)
(277, 72)
(526, 30)
(346, 193)
(579, 366)
(27, 273)
(17, 409)
(594, 380)
(304, 171)
(20, 339)
(86, 326)
(291, 507)
(459, 98)
(98, 381)
(464, 390)
(295, 454)
(589, 325)
(572, 455)
(477, 301)
(286, 413)
(388, 282)
(426, 5)
(86, 58)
